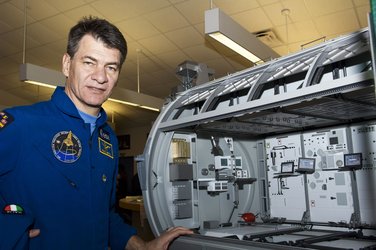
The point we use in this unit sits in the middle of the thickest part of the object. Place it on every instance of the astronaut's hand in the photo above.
(160, 243)
(163, 241)
(34, 233)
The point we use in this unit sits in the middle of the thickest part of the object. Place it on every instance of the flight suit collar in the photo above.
(65, 104)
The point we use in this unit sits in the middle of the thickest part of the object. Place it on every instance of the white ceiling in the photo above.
(168, 32)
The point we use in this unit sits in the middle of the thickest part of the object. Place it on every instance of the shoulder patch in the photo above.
(13, 209)
(5, 119)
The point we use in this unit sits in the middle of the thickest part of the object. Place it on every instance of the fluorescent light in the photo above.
(45, 77)
(134, 98)
(41, 76)
(133, 104)
(225, 30)
(149, 108)
(41, 84)
(123, 102)
(235, 47)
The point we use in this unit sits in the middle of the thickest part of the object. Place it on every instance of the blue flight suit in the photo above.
(58, 177)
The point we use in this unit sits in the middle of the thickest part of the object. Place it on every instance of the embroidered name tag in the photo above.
(105, 148)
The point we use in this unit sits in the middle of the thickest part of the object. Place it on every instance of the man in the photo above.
(59, 158)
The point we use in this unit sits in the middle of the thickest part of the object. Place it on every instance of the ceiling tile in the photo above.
(161, 75)
(133, 51)
(282, 50)
(341, 22)
(16, 38)
(149, 63)
(200, 53)
(230, 8)
(66, 4)
(200, 27)
(219, 67)
(273, 12)
(4, 27)
(77, 13)
(59, 24)
(297, 11)
(133, 28)
(129, 69)
(125, 9)
(176, 1)
(45, 55)
(185, 37)
(174, 58)
(9, 99)
(10, 81)
(193, 10)
(253, 20)
(362, 13)
(145, 80)
(7, 66)
(127, 36)
(7, 48)
(158, 44)
(167, 19)
(267, 2)
(42, 34)
(14, 59)
(34, 59)
(297, 32)
(361, 2)
(27, 92)
(238, 63)
(316, 9)
(12, 16)
(161, 91)
(128, 83)
(40, 9)
(59, 47)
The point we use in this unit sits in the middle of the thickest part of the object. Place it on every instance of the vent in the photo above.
(269, 38)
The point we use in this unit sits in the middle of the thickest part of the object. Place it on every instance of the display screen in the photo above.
(238, 162)
(224, 162)
(353, 160)
(333, 140)
(306, 165)
(287, 167)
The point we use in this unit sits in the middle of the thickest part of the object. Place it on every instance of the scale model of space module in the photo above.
(278, 156)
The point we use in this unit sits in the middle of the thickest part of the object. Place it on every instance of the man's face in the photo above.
(91, 74)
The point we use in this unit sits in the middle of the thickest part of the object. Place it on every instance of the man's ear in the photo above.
(66, 64)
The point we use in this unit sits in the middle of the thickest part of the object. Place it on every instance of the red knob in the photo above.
(248, 217)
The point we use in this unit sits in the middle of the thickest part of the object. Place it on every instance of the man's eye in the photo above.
(114, 69)
(88, 63)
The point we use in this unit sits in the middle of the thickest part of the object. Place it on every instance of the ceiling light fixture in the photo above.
(41, 76)
(136, 99)
(225, 30)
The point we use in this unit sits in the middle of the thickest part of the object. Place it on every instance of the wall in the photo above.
(138, 137)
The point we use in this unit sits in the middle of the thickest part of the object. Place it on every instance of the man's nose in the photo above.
(99, 75)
